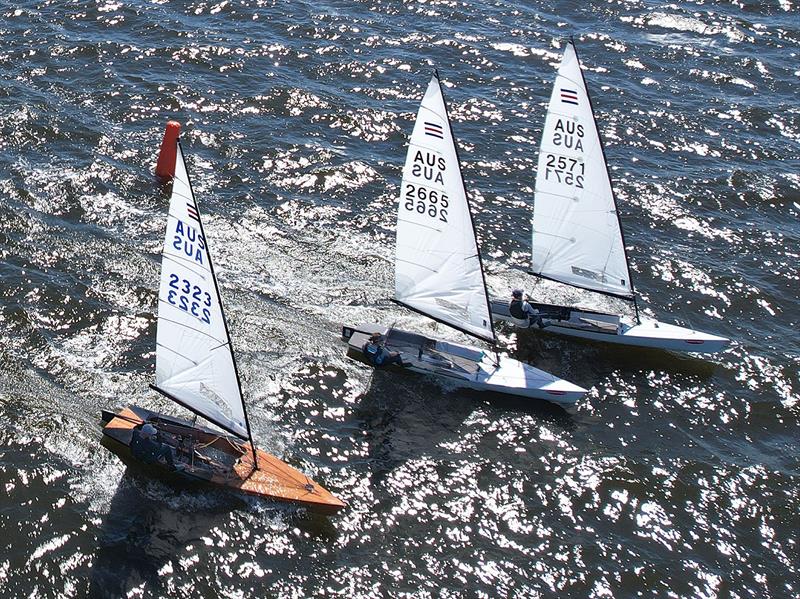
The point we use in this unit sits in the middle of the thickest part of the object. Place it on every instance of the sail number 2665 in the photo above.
(426, 201)
(564, 170)
(189, 298)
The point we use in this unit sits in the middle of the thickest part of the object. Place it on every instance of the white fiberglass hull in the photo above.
(612, 328)
(466, 366)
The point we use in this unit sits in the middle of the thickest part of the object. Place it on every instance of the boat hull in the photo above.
(613, 328)
(212, 458)
(465, 366)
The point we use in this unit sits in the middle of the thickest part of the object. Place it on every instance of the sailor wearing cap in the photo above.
(377, 354)
(147, 449)
(522, 310)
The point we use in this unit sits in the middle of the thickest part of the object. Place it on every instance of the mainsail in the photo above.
(577, 237)
(437, 264)
(194, 361)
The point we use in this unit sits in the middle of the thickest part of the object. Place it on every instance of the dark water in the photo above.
(676, 477)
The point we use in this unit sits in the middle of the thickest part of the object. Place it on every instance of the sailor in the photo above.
(377, 354)
(145, 447)
(522, 310)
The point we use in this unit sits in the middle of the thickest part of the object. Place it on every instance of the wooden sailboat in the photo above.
(577, 233)
(438, 273)
(196, 368)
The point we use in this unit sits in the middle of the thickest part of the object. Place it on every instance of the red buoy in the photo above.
(165, 168)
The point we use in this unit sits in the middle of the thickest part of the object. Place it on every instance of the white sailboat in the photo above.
(195, 368)
(438, 273)
(577, 233)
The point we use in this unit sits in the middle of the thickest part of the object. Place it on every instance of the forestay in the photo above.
(194, 362)
(437, 267)
(576, 231)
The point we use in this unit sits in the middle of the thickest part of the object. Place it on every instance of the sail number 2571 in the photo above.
(189, 298)
(426, 201)
(565, 170)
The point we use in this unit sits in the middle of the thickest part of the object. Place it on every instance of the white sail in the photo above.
(577, 238)
(194, 362)
(437, 266)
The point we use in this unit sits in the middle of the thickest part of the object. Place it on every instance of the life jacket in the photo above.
(515, 307)
(144, 449)
(374, 352)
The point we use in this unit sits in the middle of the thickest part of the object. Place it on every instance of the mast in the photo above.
(469, 208)
(608, 174)
(224, 320)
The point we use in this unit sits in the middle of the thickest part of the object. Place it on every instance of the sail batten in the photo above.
(576, 234)
(194, 362)
(438, 270)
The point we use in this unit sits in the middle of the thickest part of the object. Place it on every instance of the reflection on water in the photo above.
(674, 476)
(137, 541)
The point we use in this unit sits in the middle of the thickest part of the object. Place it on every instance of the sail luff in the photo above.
(608, 174)
(493, 340)
(438, 268)
(576, 230)
(195, 363)
(224, 317)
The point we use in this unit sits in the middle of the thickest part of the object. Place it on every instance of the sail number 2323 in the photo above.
(426, 201)
(189, 298)
(564, 170)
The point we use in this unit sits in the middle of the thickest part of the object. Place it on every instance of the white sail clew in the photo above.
(437, 266)
(194, 363)
(577, 238)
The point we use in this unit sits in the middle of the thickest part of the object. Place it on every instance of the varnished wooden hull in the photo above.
(210, 457)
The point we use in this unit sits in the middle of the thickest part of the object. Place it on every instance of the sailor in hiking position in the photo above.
(148, 450)
(522, 310)
(378, 355)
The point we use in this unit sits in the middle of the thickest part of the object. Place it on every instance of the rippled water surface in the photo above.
(676, 476)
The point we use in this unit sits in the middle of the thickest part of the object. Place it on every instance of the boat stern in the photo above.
(118, 426)
(356, 337)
